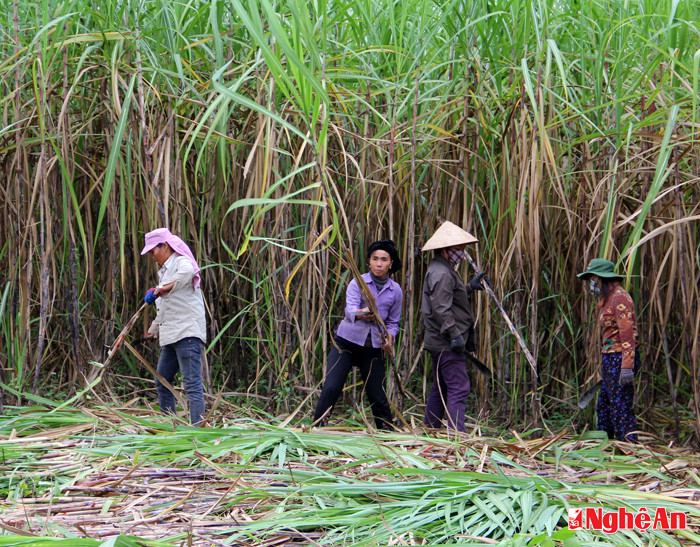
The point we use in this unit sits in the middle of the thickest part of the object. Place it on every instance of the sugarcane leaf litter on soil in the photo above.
(105, 472)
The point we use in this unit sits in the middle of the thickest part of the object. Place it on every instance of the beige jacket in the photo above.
(180, 310)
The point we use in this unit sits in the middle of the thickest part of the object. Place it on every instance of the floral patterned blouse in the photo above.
(619, 322)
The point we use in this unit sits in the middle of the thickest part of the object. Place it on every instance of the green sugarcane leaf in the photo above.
(114, 156)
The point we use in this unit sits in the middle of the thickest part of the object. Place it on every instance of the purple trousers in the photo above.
(448, 394)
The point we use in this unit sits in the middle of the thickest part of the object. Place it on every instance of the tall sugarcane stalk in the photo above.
(118, 342)
(548, 156)
(509, 322)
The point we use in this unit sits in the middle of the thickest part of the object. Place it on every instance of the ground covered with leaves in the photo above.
(104, 474)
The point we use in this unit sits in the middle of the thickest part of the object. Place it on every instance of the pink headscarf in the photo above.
(163, 235)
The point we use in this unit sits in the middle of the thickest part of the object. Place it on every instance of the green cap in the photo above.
(601, 268)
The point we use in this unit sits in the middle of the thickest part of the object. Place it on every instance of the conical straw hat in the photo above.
(448, 235)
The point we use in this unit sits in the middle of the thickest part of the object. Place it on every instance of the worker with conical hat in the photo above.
(449, 326)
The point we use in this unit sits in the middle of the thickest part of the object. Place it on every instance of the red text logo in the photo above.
(592, 518)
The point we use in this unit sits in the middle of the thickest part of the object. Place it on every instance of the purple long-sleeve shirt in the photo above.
(389, 302)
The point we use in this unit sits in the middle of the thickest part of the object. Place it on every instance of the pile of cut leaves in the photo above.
(124, 477)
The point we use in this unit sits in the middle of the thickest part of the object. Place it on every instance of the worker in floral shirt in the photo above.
(620, 357)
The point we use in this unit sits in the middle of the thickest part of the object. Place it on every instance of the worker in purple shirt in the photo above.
(357, 340)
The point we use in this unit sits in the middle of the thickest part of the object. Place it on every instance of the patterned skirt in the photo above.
(615, 408)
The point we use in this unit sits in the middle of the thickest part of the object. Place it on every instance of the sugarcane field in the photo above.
(359, 273)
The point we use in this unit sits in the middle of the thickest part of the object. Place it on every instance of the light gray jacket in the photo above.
(180, 310)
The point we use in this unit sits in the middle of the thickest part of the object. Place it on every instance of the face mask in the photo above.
(455, 256)
(594, 288)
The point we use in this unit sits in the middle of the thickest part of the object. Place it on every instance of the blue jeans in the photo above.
(186, 356)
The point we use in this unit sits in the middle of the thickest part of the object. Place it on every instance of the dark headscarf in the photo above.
(388, 246)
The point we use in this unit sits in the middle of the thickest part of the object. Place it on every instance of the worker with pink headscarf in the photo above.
(180, 323)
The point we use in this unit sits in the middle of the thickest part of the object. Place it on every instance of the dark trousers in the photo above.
(615, 407)
(448, 394)
(370, 361)
(186, 356)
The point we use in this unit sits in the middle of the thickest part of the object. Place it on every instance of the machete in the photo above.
(479, 365)
(589, 395)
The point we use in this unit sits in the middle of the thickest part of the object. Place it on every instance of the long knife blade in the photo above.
(480, 366)
(589, 395)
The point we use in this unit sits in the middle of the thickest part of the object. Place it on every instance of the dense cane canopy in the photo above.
(270, 134)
